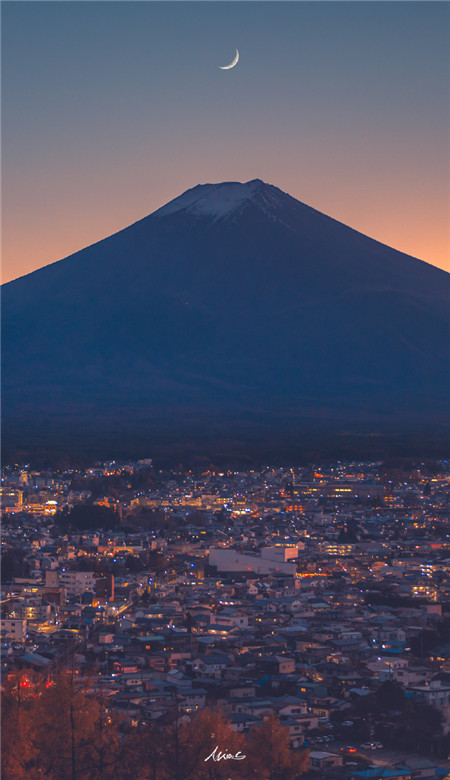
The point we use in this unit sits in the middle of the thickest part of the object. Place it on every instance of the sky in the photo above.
(111, 109)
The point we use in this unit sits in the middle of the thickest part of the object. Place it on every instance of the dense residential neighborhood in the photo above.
(318, 596)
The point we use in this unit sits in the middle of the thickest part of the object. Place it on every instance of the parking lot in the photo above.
(382, 756)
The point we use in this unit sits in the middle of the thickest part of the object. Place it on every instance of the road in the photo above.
(383, 756)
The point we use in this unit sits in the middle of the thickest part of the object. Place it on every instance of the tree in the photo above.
(87, 517)
(208, 735)
(58, 728)
(390, 696)
(75, 734)
(145, 751)
(106, 748)
(18, 751)
(14, 565)
(64, 729)
(269, 753)
(179, 760)
(133, 563)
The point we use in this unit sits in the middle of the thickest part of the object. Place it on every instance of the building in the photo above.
(14, 628)
(104, 587)
(436, 694)
(270, 560)
(321, 759)
(77, 582)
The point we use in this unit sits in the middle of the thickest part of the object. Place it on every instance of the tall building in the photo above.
(77, 582)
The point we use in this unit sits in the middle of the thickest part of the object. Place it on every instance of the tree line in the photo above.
(64, 728)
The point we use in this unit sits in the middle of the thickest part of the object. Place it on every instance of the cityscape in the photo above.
(304, 611)
(225, 485)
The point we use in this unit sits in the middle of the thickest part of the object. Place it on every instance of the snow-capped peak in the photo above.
(213, 200)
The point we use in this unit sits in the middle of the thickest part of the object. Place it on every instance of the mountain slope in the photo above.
(234, 307)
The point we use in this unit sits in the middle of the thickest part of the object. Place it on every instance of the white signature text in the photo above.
(217, 755)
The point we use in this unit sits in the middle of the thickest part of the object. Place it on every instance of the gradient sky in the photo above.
(110, 109)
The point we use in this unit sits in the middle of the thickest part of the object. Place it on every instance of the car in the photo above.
(377, 745)
(347, 723)
(348, 749)
(366, 746)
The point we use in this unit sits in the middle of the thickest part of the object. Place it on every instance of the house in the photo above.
(411, 675)
(257, 707)
(192, 698)
(290, 706)
(278, 664)
(421, 768)
(229, 617)
(436, 694)
(295, 731)
(211, 663)
(242, 721)
(321, 759)
(126, 666)
(308, 721)
(242, 692)
(180, 680)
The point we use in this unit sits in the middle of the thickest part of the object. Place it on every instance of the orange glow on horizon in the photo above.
(409, 229)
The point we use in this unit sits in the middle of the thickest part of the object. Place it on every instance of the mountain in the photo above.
(234, 315)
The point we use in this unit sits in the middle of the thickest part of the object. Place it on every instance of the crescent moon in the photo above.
(232, 63)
